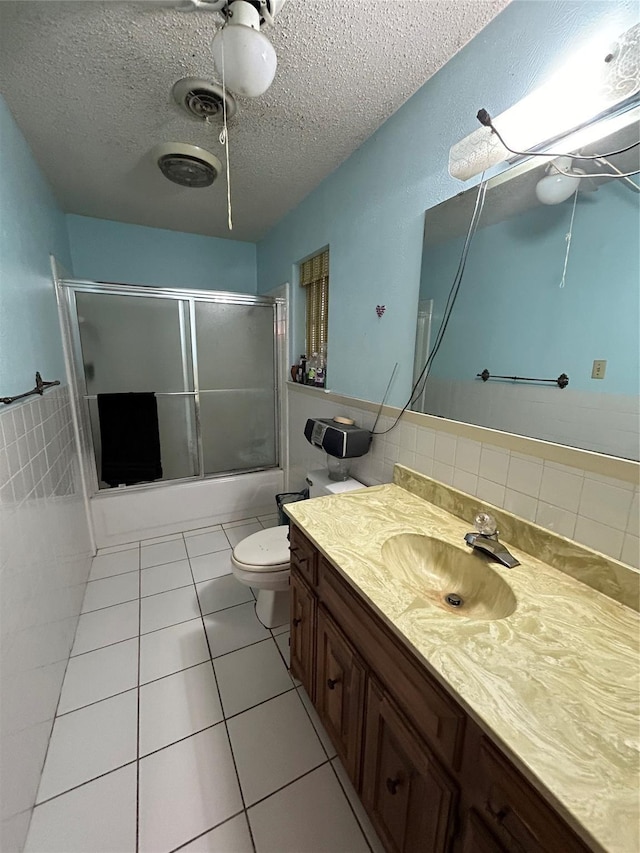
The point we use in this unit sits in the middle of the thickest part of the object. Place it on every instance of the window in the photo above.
(314, 278)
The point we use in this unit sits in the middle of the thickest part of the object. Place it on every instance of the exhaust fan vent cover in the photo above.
(187, 165)
(202, 99)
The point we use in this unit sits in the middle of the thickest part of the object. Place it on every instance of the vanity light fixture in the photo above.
(598, 81)
(560, 182)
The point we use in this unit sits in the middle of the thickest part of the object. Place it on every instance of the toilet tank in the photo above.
(320, 484)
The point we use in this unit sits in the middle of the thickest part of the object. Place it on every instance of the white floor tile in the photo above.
(232, 837)
(273, 744)
(116, 563)
(162, 552)
(269, 520)
(89, 742)
(172, 649)
(237, 534)
(186, 789)
(177, 706)
(220, 593)
(164, 578)
(250, 676)
(210, 566)
(234, 628)
(99, 817)
(281, 629)
(99, 674)
(317, 723)
(109, 591)
(168, 608)
(282, 641)
(313, 814)
(103, 627)
(361, 815)
(206, 543)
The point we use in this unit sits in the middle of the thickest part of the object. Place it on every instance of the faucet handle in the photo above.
(485, 524)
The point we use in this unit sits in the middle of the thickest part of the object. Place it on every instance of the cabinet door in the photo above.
(340, 680)
(410, 799)
(520, 818)
(303, 628)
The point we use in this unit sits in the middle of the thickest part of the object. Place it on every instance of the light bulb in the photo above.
(249, 59)
(557, 187)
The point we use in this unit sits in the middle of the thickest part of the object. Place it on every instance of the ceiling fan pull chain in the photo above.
(224, 139)
(568, 237)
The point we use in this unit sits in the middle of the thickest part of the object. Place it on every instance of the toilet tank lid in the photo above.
(269, 547)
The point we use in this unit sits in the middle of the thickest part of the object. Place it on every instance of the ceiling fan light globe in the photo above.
(556, 188)
(250, 61)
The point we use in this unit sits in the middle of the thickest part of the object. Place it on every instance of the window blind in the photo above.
(314, 277)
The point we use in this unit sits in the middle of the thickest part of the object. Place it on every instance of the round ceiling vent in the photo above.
(187, 165)
(202, 99)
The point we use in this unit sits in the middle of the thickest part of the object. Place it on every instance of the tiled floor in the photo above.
(179, 725)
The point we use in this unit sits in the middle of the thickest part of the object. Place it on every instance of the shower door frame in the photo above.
(67, 289)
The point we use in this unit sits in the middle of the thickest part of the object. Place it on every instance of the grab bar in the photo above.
(39, 389)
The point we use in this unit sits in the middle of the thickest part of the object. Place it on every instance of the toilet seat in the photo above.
(264, 551)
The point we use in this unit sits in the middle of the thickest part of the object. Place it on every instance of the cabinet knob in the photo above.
(331, 683)
(296, 622)
(393, 785)
(499, 814)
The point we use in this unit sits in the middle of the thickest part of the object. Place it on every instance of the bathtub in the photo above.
(122, 516)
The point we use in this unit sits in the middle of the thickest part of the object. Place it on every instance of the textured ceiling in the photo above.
(89, 84)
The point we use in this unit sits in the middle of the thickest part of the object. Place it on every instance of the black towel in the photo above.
(130, 438)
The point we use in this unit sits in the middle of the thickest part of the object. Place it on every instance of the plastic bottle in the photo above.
(302, 369)
(320, 370)
(312, 366)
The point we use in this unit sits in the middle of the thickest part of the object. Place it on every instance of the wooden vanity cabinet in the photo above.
(429, 778)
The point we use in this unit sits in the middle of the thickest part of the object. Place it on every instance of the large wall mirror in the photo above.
(548, 289)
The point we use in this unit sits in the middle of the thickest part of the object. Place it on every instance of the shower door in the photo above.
(236, 380)
(209, 358)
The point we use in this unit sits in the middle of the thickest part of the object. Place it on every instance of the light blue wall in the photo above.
(134, 254)
(511, 315)
(31, 226)
(370, 211)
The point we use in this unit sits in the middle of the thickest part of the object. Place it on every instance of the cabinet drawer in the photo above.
(516, 812)
(303, 555)
(409, 797)
(436, 716)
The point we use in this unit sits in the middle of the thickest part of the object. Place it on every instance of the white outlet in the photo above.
(599, 369)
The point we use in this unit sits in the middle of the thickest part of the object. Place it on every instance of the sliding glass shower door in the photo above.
(208, 357)
(236, 373)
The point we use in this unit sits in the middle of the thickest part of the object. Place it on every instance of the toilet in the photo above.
(261, 561)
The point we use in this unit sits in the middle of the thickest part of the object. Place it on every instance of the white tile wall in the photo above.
(598, 511)
(607, 423)
(45, 555)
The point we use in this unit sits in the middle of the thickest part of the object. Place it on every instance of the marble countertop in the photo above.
(556, 683)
